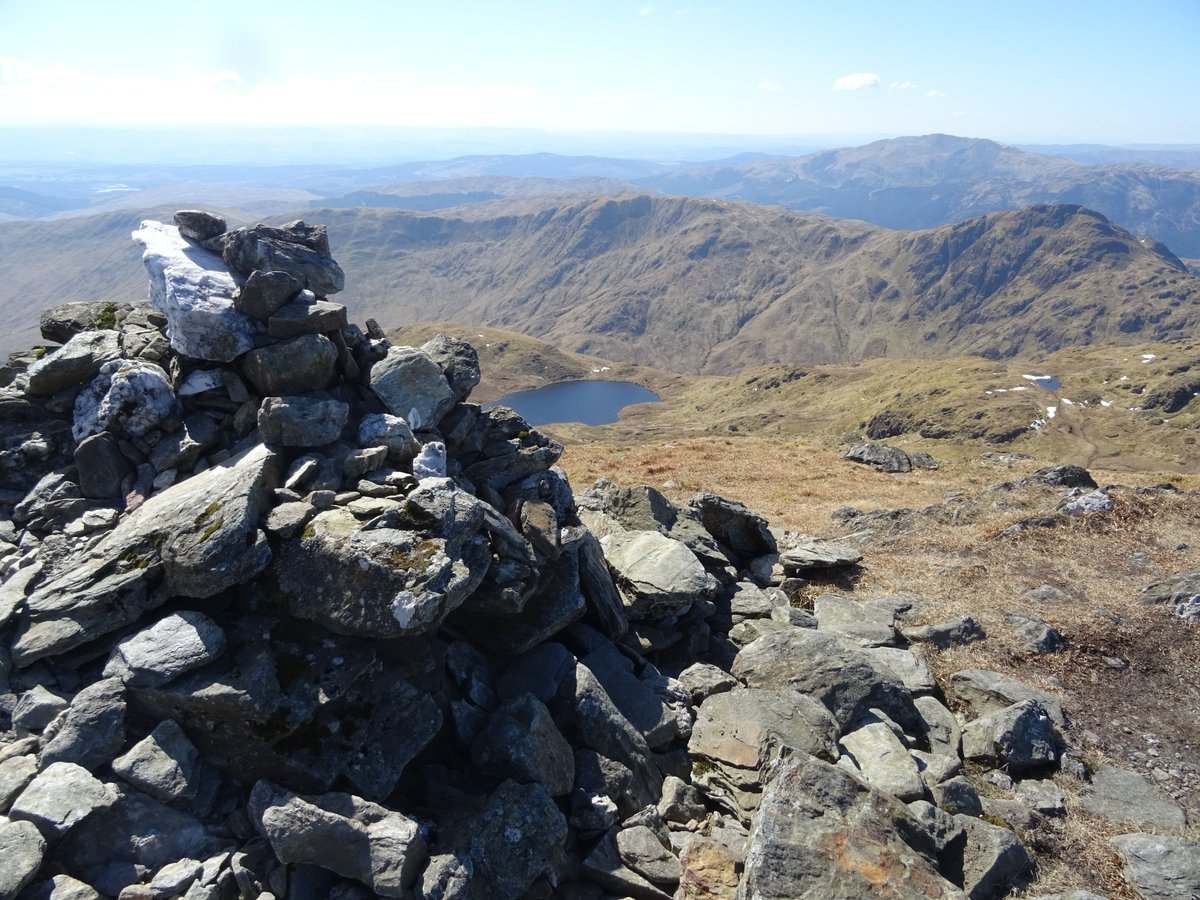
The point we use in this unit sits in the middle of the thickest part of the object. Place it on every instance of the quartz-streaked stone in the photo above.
(194, 288)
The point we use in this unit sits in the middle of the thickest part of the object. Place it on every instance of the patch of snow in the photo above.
(1147, 357)
(1124, 378)
(1066, 401)
(1106, 403)
(1021, 388)
(1038, 377)
(1051, 412)
(404, 607)
(1036, 424)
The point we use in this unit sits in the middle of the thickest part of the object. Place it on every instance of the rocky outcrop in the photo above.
(286, 615)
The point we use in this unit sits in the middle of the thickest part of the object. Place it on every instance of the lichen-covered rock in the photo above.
(387, 581)
(822, 833)
(194, 289)
(76, 362)
(200, 536)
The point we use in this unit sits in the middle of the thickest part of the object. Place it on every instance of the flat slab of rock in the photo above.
(201, 535)
(1128, 798)
(805, 554)
(866, 625)
(1160, 867)
(655, 574)
(60, 797)
(885, 761)
(194, 289)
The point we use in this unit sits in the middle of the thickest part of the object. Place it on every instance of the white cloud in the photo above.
(644, 11)
(769, 86)
(902, 86)
(856, 81)
(959, 114)
(935, 93)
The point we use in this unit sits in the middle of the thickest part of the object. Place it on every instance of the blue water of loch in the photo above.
(589, 402)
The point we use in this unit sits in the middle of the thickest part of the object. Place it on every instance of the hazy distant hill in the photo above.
(923, 182)
(692, 284)
(426, 196)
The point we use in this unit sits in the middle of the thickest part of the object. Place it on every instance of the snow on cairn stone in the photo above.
(194, 289)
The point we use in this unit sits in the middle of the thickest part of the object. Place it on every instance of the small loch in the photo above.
(588, 402)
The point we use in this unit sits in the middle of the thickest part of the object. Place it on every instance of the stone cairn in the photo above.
(286, 616)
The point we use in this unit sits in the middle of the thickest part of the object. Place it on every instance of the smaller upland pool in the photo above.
(589, 402)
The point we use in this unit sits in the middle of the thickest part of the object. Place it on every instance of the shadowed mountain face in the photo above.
(699, 285)
(923, 182)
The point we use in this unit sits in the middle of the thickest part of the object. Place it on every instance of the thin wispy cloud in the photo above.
(769, 86)
(935, 93)
(857, 81)
(644, 11)
(902, 86)
(27, 92)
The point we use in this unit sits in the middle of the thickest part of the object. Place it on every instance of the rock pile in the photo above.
(286, 616)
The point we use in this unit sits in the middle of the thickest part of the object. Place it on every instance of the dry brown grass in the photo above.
(1101, 562)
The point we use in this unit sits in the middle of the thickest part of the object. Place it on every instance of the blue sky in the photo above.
(1015, 71)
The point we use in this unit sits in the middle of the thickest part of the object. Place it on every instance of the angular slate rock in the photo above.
(75, 363)
(306, 314)
(171, 646)
(821, 833)
(301, 421)
(1021, 737)
(265, 292)
(823, 666)
(303, 364)
(61, 797)
(656, 575)
(522, 742)
(994, 861)
(517, 838)
(458, 361)
(93, 731)
(987, 692)
(348, 835)
(299, 249)
(407, 380)
(885, 762)
(163, 764)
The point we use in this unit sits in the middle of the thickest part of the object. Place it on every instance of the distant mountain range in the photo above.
(906, 183)
(923, 182)
(693, 285)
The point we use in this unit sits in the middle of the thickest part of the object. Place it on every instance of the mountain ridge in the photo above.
(697, 285)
